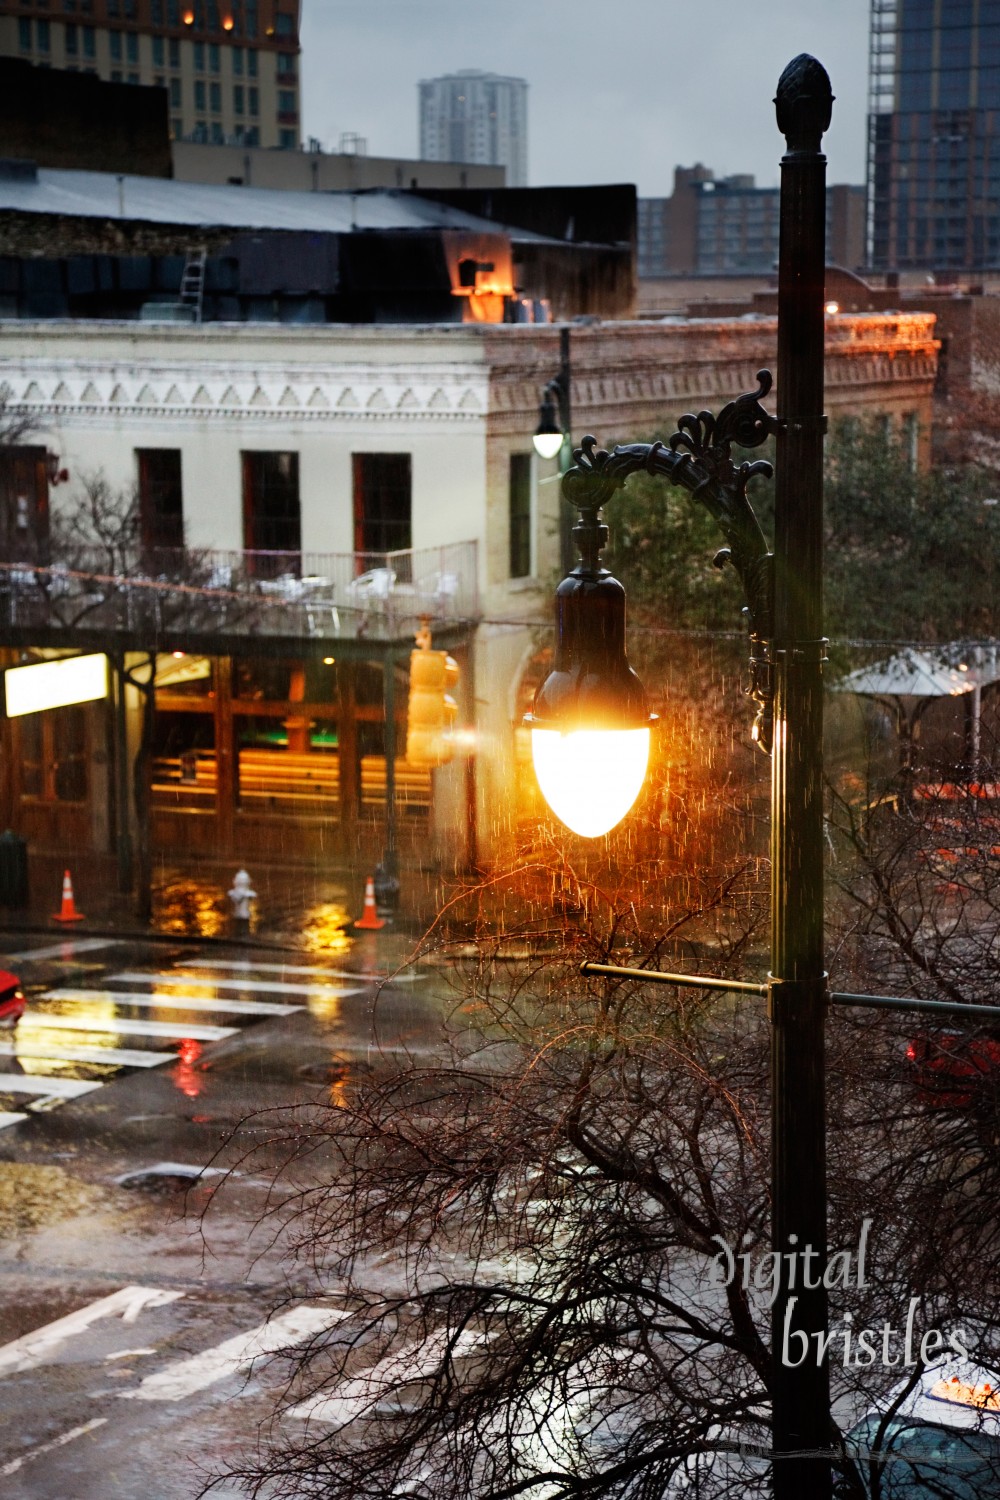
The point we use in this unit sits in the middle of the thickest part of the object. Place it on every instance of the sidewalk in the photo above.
(303, 909)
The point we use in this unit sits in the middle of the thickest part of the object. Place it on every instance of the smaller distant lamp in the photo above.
(548, 437)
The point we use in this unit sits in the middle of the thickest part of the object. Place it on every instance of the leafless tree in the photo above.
(98, 581)
(526, 1230)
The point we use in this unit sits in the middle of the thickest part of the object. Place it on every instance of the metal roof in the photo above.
(933, 673)
(160, 200)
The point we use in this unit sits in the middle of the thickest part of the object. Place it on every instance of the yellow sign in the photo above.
(55, 684)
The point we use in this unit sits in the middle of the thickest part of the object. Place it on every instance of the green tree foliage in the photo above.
(909, 555)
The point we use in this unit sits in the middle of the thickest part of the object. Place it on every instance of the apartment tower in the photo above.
(476, 117)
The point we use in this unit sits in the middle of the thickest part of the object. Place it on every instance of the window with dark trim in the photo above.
(24, 504)
(271, 512)
(382, 502)
(161, 498)
(520, 515)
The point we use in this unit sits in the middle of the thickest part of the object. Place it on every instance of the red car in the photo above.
(956, 1069)
(11, 1000)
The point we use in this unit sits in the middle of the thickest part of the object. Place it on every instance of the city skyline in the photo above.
(601, 108)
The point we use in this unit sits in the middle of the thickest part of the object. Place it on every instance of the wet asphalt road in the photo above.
(134, 1307)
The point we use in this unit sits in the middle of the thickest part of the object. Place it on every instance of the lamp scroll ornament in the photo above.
(698, 459)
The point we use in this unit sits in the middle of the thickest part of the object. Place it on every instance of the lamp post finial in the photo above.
(804, 103)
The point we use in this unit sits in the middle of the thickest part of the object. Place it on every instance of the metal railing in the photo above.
(328, 595)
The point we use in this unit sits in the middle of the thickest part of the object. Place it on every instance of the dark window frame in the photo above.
(382, 503)
(519, 514)
(161, 499)
(24, 527)
(272, 511)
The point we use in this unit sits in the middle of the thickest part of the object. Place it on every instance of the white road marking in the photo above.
(59, 1442)
(128, 1354)
(35, 1348)
(266, 986)
(117, 1057)
(123, 1027)
(67, 948)
(402, 1367)
(246, 965)
(156, 1001)
(53, 1088)
(235, 1354)
(7, 1119)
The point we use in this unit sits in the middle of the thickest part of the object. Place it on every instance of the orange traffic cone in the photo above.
(370, 921)
(68, 912)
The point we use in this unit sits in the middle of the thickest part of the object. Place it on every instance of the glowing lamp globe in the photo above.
(548, 436)
(590, 777)
(590, 721)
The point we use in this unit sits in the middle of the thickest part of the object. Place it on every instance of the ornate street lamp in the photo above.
(552, 435)
(549, 435)
(590, 725)
(555, 414)
(590, 721)
(591, 712)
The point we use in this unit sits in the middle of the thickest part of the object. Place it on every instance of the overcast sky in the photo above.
(620, 90)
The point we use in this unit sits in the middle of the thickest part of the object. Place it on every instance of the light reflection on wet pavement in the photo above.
(310, 912)
(184, 1015)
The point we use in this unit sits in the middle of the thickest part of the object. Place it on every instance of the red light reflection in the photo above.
(186, 1075)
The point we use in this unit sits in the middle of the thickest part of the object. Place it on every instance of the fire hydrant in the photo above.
(240, 897)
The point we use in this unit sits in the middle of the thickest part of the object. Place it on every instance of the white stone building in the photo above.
(336, 483)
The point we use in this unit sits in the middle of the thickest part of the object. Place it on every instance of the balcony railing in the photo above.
(379, 596)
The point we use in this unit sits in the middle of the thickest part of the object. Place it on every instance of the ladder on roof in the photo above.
(193, 282)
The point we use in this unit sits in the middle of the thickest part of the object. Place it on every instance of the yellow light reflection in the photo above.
(48, 1067)
(191, 906)
(325, 1007)
(32, 1030)
(590, 777)
(324, 928)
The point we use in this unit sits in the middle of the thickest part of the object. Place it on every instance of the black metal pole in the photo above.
(564, 391)
(798, 990)
(387, 875)
(123, 821)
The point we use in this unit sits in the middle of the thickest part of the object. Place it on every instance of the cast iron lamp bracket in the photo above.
(698, 459)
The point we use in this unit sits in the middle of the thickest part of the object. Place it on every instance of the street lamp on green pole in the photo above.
(590, 718)
(553, 436)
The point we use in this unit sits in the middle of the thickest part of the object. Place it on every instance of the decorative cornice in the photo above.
(240, 392)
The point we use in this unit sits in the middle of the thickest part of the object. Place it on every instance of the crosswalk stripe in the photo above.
(403, 1366)
(246, 965)
(34, 1348)
(268, 986)
(52, 1088)
(68, 947)
(156, 1001)
(226, 1359)
(7, 1119)
(124, 1027)
(115, 1057)
(54, 1443)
